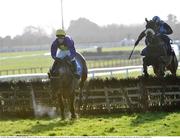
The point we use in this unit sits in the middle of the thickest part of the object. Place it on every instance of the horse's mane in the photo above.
(152, 25)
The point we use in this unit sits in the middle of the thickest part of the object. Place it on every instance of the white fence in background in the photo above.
(92, 73)
(115, 70)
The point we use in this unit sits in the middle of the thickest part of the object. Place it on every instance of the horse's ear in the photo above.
(146, 20)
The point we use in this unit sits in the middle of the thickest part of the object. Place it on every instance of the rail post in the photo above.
(107, 100)
(127, 73)
(111, 73)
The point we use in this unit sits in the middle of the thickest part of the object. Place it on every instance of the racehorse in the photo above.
(157, 55)
(64, 83)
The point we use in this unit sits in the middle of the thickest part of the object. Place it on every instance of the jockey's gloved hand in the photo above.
(57, 59)
(67, 58)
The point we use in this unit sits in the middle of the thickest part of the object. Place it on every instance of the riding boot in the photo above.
(144, 52)
(75, 69)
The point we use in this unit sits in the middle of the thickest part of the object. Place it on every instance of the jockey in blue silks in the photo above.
(163, 29)
(63, 48)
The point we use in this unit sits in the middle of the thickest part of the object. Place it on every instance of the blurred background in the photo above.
(104, 31)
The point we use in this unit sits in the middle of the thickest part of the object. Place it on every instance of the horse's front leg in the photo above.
(145, 68)
(161, 70)
(71, 103)
(61, 104)
(80, 99)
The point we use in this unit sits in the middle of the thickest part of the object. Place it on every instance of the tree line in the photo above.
(84, 31)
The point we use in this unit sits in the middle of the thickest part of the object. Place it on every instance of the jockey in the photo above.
(63, 48)
(163, 30)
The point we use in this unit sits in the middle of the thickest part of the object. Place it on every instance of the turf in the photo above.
(137, 124)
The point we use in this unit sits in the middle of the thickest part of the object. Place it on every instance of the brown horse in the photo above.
(63, 83)
(157, 55)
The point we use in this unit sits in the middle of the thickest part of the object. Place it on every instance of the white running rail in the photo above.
(92, 73)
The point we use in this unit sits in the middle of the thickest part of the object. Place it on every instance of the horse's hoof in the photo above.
(146, 75)
(73, 116)
(62, 118)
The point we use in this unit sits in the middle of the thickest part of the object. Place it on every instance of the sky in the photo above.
(17, 14)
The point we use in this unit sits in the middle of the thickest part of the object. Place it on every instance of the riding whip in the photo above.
(131, 53)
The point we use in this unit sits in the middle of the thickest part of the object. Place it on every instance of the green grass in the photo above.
(10, 61)
(38, 59)
(113, 63)
(31, 59)
(138, 124)
(25, 63)
(21, 53)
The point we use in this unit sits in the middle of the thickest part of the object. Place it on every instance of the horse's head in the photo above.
(62, 72)
(151, 29)
(155, 45)
(150, 36)
(150, 24)
(63, 86)
(63, 68)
